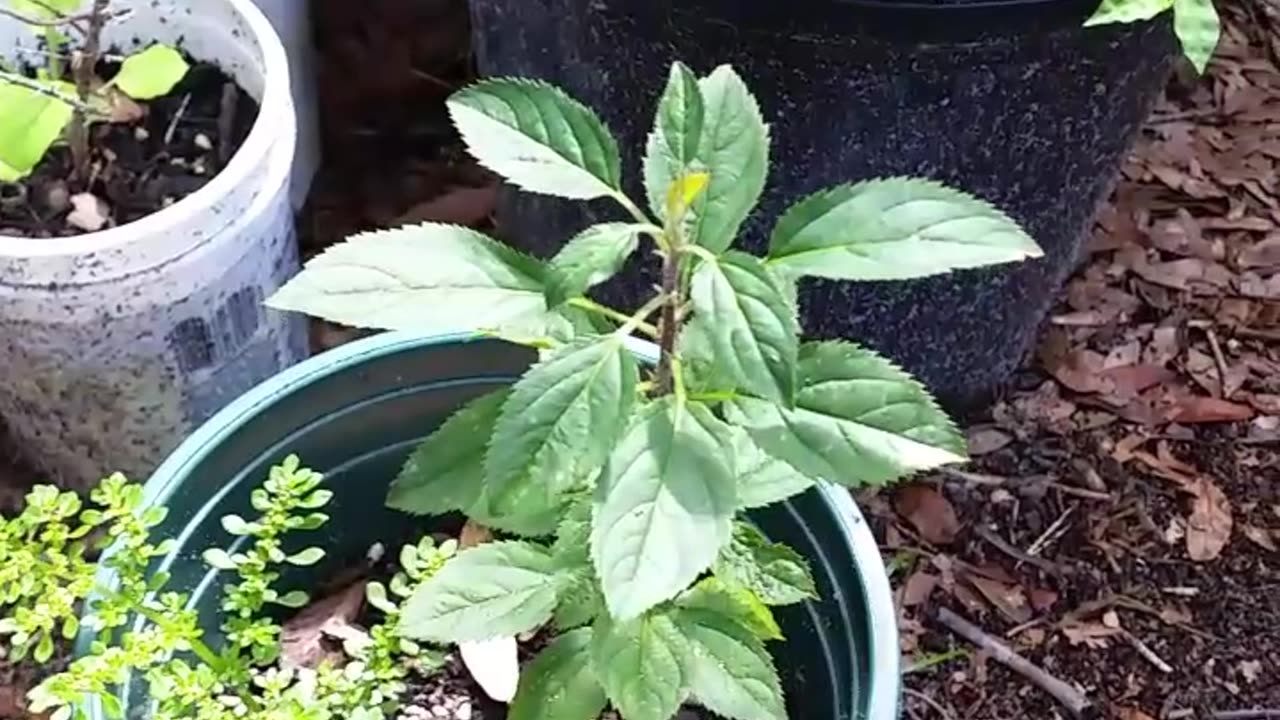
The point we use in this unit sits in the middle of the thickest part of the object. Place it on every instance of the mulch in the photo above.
(1120, 526)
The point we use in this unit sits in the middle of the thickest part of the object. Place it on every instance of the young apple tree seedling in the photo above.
(36, 112)
(656, 584)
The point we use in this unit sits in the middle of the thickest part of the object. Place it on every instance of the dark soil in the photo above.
(139, 167)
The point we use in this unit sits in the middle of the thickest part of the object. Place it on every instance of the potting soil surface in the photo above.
(147, 157)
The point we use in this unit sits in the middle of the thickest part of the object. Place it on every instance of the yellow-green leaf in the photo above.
(1198, 28)
(151, 73)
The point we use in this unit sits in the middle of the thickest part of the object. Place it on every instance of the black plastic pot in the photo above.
(355, 413)
(1013, 100)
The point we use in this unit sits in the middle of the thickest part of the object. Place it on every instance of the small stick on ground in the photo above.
(1068, 696)
(177, 118)
(930, 702)
(1272, 714)
(1220, 360)
(227, 122)
(1145, 651)
(1003, 546)
(1057, 528)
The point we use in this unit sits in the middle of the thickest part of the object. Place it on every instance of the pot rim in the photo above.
(275, 104)
(882, 690)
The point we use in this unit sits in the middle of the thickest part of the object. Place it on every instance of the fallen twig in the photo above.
(1145, 651)
(1272, 714)
(1068, 696)
(1003, 546)
(929, 701)
(177, 118)
(1052, 533)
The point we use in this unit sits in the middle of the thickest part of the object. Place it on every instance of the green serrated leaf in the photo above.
(753, 327)
(858, 419)
(306, 558)
(728, 669)
(776, 574)
(446, 471)
(763, 479)
(30, 124)
(1198, 28)
(560, 422)
(1127, 11)
(218, 559)
(663, 506)
(737, 603)
(593, 256)
(559, 683)
(677, 133)
(734, 149)
(894, 229)
(538, 138)
(639, 665)
(581, 601)
(572, 548)
(151, 73)
(431, 279)
(493, 590)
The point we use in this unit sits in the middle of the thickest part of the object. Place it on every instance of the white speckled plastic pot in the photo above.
(292, 20)
(114, 345)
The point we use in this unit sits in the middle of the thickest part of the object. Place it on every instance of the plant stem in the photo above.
(82, 68)
(633, 209)
(621, 318)
(669, 323)
(36, 86)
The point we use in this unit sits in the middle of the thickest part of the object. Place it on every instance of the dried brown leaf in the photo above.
(1189, 408)
(929, 512)
(1262, 537)
(1010, 600)
(302, 638)
(1209, 526)
(459, 206)
(986, 439)
(918, 588)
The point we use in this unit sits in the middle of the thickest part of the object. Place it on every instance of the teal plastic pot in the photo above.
(356, 412)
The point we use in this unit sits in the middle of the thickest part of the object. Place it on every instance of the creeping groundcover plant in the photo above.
(623, 489)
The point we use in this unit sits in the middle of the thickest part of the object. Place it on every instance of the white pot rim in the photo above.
(275, 104)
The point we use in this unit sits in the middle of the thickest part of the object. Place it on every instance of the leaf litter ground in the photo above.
(1120, 526)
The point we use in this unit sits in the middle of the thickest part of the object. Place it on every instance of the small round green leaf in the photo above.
(293, 599)
(306, 558)
(151, 73)
(218, 559)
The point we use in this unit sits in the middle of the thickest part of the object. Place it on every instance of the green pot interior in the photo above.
(357, 412)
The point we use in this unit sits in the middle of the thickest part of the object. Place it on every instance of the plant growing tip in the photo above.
(629, 483)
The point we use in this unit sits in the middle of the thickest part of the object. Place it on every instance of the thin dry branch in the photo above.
(1070, 698)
